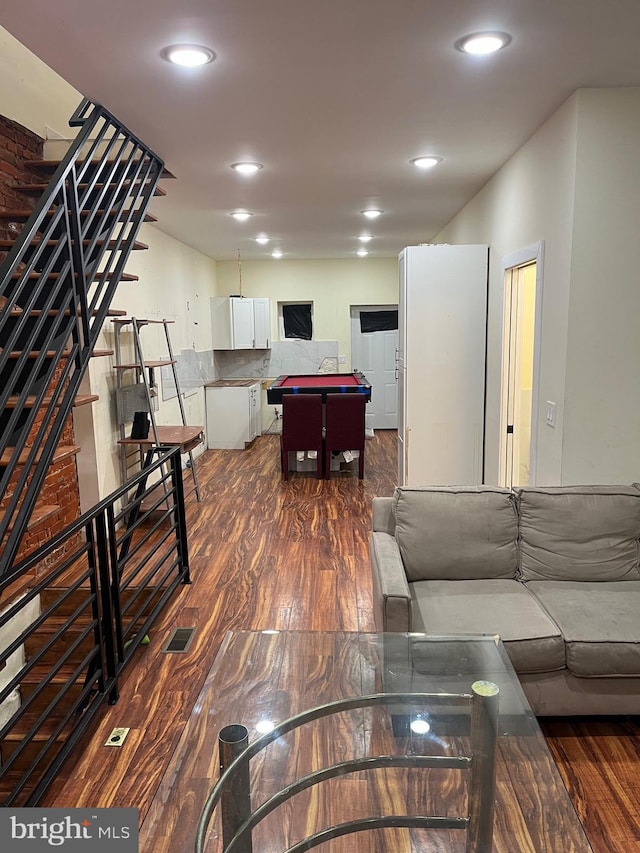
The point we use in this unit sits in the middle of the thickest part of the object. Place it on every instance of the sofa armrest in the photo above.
(382, 517)
(391, 595)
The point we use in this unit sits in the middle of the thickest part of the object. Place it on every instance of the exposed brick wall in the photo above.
(18, 145)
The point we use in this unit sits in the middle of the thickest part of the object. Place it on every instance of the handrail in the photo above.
(82, 620)
(56, 287)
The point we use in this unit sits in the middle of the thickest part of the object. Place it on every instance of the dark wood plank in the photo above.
(266, 554)
(598, 760)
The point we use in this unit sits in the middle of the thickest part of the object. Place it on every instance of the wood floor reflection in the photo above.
(294, 556)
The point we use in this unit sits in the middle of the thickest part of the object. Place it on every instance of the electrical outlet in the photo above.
(117, 736)
(342, 359)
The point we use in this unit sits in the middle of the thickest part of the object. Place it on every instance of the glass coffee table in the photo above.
(261, 679)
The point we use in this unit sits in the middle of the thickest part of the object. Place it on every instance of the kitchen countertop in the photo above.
(237, 383)
(231, 383)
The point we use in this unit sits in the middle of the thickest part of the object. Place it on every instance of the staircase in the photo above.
(76, 604)
(56, 286)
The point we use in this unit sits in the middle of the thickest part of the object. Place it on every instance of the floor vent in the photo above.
(179, 640)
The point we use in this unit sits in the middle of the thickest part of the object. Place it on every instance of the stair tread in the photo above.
(52, 354)
(85, 399)
(18, 312)
(54, 275)
(137, 246)
(38, 189)
(39, 514)
(38, 673)
(15, 215)
(63, 451)
(51, 165)
(22, 726)
(10, 779)
(56, 620)
(78, 400)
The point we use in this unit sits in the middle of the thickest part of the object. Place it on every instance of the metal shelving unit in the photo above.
(139, 396)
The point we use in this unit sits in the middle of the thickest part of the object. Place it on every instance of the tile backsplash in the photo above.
(284, 357)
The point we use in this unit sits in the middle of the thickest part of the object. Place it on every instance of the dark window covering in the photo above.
(297, 321)
(378, 321)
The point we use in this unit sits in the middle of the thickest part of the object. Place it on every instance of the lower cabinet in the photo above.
(233, 415)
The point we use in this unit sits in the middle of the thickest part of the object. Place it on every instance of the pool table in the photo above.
(318, 383)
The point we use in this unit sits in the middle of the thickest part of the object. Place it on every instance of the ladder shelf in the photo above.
(139, 397)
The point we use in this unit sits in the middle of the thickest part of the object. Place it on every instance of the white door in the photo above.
(374, 354)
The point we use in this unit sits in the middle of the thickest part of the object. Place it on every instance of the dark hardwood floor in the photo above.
(294, 556)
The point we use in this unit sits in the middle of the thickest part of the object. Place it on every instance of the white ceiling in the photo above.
(333, 98)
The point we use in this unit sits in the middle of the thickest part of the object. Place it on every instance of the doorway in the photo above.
(374, 353)
(520, 359)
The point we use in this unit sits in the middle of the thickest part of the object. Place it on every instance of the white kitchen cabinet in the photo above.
(261, 322)
(233, 413)
(255, 411)
(239, 323)
(442, 315)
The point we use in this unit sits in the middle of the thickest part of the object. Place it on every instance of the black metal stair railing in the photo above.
(71, 635)
(56, 286)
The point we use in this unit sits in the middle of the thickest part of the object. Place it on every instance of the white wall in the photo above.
(602, 403)
(332, 285)
(528, 200)
(175, 283)
(31, 93)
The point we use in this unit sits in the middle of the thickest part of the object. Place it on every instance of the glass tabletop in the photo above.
(261, 679)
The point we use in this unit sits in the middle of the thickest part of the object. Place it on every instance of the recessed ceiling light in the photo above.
(364, 238)
(427, 162)
(189, 55)
(372, 213)
(262, 239)
(480, 44)
(362, 252)
(241, 215)
(246, 168)
(276, 253)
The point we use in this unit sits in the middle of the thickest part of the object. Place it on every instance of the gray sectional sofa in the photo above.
(555, 572)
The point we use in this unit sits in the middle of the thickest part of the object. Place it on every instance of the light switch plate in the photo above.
(551, 414)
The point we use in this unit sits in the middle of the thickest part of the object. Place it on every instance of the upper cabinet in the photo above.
(261, 323)
(239, 323)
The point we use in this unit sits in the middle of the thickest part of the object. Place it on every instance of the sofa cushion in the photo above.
(504, 607)
(584, 533)
(599, 622)
(456, 533)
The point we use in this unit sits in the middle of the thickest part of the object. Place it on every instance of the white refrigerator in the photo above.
(442, 316)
